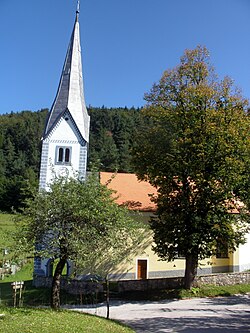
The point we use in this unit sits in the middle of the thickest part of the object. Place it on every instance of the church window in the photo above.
(67, 155)
(63, 155)
(60, 155)
(222, 249)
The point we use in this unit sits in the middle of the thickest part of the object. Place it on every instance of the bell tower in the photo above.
(66, 134)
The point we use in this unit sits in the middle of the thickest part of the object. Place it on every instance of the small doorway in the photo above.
(142, 269)
(51, 266)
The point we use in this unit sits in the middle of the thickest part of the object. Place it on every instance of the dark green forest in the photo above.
(111, 139)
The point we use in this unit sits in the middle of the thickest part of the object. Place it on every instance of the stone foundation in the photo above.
(224, 279)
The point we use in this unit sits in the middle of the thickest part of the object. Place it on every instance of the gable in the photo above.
(65, 130)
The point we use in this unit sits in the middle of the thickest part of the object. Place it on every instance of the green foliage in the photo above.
(111, 139)
(112, 134)
(20, 143)
(44, 320)
(79, 215)
(77, 221)
(196, 154)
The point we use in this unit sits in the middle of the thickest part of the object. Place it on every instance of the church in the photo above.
(64, 152)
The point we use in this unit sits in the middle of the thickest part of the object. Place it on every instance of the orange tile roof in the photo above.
(129, 190)
(135, 194)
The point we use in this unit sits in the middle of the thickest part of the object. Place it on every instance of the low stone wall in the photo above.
(84, 287)
(75, 287)
(219, 279)
(150, 284)
(223, 279)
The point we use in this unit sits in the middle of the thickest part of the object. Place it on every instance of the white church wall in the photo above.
(64, 135)
(64, 129)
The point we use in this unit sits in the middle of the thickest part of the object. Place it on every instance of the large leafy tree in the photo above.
(77, 221)
(195, 153)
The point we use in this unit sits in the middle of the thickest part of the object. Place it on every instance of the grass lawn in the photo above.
(6, 227)
(27, 320)
(213, 291)
(25, 274)
(31, 296)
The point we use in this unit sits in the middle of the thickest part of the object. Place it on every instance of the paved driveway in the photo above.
(220, 314)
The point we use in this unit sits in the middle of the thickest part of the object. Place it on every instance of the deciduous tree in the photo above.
(77, 221)
(195, 153)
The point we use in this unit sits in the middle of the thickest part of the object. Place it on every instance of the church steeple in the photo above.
(70, 95)
(66, 133)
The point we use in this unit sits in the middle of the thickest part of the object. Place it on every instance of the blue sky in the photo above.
(126, 46)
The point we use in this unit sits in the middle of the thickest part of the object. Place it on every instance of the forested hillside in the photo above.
(111, 139)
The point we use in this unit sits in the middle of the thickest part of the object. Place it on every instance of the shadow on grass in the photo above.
(32, 296)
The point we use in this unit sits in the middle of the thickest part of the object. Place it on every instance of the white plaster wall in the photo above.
(244, 255)
(64, 134)
(64, 129)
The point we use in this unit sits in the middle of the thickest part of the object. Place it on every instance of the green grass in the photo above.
(27, 320)
(213, 291)
(36, 296)
(25, 274)
(6, 227)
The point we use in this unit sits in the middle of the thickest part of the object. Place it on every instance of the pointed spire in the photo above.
(70, 95)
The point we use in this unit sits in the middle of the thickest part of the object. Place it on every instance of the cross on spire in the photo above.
(77, 9)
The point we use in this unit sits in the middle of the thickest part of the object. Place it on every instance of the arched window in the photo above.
(60, 155)
(67, 155)
(63, 155)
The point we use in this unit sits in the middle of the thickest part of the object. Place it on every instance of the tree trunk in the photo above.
(107, 296)
(55, 292)
(191, 270)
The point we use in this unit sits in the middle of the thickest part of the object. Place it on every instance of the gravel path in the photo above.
(220, 314)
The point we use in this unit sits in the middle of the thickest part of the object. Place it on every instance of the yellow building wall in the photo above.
(157, 268)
